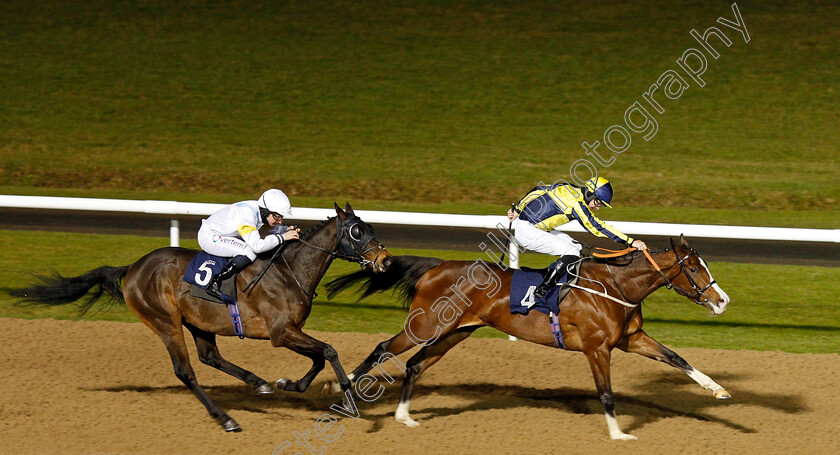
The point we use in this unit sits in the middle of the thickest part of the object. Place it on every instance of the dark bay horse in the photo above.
(275, 308)
(451, 299)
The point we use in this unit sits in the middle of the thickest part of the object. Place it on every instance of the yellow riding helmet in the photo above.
(599, 188)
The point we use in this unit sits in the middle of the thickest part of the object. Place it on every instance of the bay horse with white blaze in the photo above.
(448, 300)
(276, 308)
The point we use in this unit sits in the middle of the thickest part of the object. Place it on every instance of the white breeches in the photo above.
(223, 246)
(555, 243)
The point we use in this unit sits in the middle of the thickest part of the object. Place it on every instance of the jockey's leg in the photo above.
(229, 247)
(553, 274)
(555, 243)
(234, 266)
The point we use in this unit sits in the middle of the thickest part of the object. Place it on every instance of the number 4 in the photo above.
(528, 300)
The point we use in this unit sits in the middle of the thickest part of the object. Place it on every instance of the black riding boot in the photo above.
(234, 266)
(553, 274)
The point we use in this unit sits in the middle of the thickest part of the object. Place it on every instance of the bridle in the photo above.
(669, 284)
(351, 240)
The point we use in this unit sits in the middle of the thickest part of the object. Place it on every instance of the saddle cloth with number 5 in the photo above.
(199, 271)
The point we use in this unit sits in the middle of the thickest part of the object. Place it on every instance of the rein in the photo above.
(669, 284)
(342, 230)
(599, 293)
(698, 292)
(360, 259)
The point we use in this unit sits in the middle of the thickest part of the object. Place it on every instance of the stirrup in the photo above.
(216, 293)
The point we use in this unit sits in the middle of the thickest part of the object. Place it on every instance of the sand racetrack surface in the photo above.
(106, 387)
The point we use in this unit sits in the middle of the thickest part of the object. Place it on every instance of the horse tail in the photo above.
(57, 290)
(402, 274)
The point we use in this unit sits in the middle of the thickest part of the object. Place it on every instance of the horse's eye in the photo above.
(694, 270)
(355, 232)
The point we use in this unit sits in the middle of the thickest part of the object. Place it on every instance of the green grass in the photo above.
(430, 102)
(456, 107)
(774, 307)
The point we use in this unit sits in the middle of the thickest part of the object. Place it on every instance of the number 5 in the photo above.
(203, 280)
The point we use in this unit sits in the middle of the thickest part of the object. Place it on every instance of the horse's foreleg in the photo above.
(419, 363)
(395, 346)
(599, 362)
(208, 353)
(641, 343)
(294, 339)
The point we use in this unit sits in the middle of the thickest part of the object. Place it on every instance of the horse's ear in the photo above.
(342, 215)
(683, 241)
(349, 209)
(673, 245)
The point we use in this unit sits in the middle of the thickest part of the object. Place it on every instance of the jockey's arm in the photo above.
(251, 236)
(595, 226)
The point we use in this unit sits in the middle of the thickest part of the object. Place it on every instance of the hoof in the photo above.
(409, 422)
(330, 388)
(626, 437)
(231, 425)
(265, 389)
(287, 385)
(722, 394)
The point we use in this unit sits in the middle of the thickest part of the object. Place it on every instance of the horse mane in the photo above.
(402, 275)
(265, 255)
(305, 234)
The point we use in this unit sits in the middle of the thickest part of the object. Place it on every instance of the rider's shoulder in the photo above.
(245, 208)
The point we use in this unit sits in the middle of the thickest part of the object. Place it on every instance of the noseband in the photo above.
(698, 291)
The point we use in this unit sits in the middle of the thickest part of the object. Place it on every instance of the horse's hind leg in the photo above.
(420, 362)
(641, 343)
(208, 353)
(177, 347)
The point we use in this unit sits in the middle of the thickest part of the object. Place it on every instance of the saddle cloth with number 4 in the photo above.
(526, 280)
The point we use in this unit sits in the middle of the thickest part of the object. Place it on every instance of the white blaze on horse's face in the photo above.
(723, 299)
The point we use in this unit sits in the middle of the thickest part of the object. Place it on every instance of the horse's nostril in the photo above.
(387, 261)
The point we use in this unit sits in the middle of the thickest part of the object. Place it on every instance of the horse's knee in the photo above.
(330, 354)
(185, 374)
(413, 369)
(208, 358)
(381, 348)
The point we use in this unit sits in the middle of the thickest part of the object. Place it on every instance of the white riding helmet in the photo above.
(276, 201)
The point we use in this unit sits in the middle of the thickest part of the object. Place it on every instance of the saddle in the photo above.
(525, 280)
(198, 273)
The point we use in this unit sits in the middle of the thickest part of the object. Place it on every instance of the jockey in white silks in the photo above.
(233, 232)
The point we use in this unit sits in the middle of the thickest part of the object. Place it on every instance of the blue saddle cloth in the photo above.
(202, 267)
(199, 271)
(522, 287)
